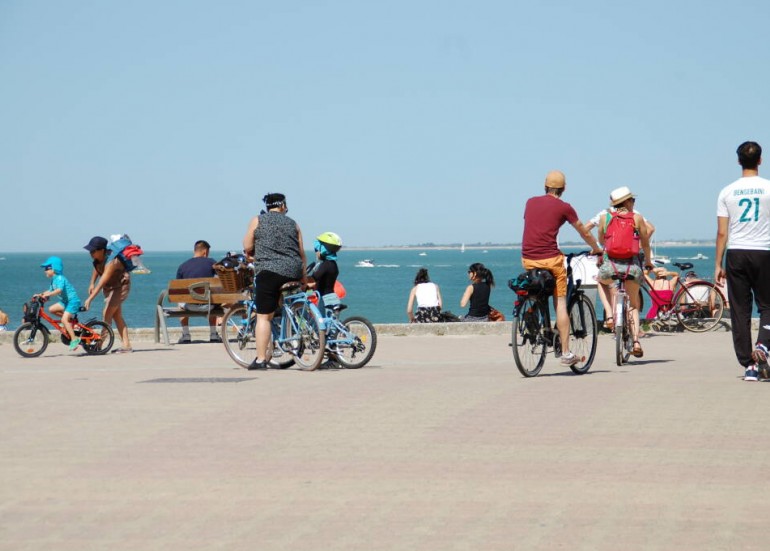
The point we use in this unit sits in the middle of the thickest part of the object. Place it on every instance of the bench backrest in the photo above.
(207, 290)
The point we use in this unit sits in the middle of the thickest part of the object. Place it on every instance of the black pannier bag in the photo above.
(537, 281)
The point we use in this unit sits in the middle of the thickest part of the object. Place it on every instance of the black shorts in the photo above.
(269, 290)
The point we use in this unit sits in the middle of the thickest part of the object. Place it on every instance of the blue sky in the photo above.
(387, 122)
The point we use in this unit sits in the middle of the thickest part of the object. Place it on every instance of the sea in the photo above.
(379, 292)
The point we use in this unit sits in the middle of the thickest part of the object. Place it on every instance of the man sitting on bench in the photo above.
(200, 265)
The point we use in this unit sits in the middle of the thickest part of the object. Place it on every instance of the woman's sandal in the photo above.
(609, 324)
(637, 351)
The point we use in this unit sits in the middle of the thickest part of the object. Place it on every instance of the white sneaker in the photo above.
(751, 373)
(569, 359)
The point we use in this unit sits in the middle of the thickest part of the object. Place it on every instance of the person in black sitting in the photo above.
(326, 271)
(200, 265)
(477, 293)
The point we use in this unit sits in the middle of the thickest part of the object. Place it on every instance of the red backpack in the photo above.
(620, 237)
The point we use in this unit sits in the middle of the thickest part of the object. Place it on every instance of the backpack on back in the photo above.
(128, 253)
(620, 237)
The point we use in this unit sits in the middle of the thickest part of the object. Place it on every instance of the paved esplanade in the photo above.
(439, 444)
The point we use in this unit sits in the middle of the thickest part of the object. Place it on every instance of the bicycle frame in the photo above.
(297, 328)
(686, 303)
(87, 335)
(533, 334)
(32, 337)
(283, 330)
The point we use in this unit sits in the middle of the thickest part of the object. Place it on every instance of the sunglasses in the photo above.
(46, 268)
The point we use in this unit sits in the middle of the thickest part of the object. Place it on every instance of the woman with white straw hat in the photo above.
(621, 233)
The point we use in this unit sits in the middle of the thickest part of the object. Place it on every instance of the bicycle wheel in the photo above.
(279, 358)
(238, 335)
(582, 335)
(304, 329)
(623, 337)
(699, 306)
(100, 341)
(529, 346)
(30, 340)
(358, 353)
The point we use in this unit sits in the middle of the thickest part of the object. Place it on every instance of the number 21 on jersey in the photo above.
(750, 209)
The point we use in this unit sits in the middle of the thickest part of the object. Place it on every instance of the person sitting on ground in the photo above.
(61, 287)
(3, 321)
(199, 266)
(428, 297)
(623, 201)
(661, 288)
(325, 271)
(477, 293)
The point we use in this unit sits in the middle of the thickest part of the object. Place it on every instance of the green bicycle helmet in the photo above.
(331, 241)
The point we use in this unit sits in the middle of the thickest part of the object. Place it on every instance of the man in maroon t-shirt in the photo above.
(543, 216)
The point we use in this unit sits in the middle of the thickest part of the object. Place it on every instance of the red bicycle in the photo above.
(32, 337)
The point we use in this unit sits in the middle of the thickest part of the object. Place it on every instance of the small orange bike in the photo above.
(32, 337)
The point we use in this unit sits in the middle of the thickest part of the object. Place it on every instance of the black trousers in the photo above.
(748, 279)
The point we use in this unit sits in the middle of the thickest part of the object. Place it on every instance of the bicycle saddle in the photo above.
(290, 286)
(684, 265)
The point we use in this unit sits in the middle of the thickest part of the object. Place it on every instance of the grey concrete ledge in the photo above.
(147, 334)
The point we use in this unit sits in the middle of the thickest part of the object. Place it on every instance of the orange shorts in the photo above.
(556, 266)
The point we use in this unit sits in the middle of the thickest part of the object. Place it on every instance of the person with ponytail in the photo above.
(477, 293)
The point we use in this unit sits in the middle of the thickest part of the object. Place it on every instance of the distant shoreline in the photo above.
(664, 244)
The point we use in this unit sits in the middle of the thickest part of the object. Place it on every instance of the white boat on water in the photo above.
(699, 256)
(365, 263)
(423, 254)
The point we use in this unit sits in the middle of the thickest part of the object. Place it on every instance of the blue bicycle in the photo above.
(298, 330)
(350, 342)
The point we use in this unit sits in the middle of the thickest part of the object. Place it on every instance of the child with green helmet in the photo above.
(325, 271)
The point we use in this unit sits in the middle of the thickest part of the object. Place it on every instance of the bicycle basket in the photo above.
(30, 310)
(234, 279)
(537, 281)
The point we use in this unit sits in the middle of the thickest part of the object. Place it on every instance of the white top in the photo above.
(746, 203)
(426, 295)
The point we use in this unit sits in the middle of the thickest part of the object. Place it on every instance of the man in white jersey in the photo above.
(743, 230)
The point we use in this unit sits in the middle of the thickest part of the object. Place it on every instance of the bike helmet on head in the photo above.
(55, 263)
(331, 240)
(328, 244)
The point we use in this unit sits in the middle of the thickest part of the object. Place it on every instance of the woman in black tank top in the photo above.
(477, 293)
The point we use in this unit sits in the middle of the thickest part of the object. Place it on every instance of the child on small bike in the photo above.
(61, 287)
(325, 271)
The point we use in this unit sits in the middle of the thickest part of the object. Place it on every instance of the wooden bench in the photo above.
(207, 291)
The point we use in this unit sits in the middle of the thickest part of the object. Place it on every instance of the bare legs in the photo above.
(562, 322)
(116, 313)
(634, 298)
(66, 318)
(262, 336)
